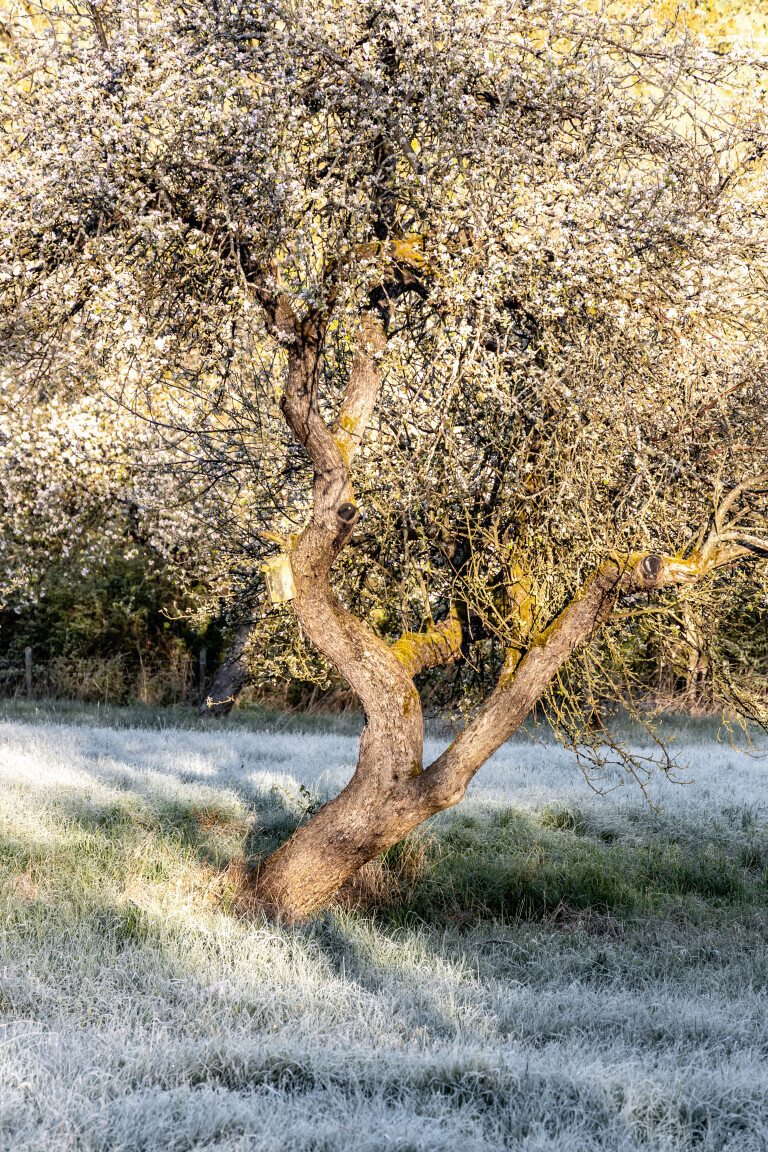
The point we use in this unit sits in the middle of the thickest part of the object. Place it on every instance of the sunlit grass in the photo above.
(543, 968)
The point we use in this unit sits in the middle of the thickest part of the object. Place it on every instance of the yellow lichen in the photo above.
(342, 442)
(513, 658)
(439, 645)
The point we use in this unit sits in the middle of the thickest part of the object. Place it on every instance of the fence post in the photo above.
(28, 671)
(203, 671)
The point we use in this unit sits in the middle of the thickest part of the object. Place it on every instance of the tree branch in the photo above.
(372, 670)
(99, 26)
(440, 644)
(362, 390)
(528, 672)
(753, 482)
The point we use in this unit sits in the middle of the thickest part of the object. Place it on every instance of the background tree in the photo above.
(501, 265)
(95, 577)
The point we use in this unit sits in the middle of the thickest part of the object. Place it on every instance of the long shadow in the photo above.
(197, 802)
(214, 833)
(493, 864)
(478, 864)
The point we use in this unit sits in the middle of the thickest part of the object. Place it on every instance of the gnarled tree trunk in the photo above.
(391, 792)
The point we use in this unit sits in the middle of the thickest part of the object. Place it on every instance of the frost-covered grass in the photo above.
(555, 969)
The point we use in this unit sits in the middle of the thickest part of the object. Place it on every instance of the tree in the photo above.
(501, 265)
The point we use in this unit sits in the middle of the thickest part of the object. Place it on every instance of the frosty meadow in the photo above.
(623, 1007)
(455, 316)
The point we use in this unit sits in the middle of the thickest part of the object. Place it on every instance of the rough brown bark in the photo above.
(390, 793)
(374, 810)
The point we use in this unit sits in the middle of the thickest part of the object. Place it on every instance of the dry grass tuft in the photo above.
(391, 879)
(208, 818)
(238, 884)
(24, 887)
(190, 891)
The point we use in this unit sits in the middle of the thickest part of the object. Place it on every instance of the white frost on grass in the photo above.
(127, 1030)
(192, 765)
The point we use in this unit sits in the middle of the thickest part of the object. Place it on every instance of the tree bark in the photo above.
(230, 679)
(373, 811)
(390, 792)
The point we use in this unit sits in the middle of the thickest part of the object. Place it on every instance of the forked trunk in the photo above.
(391, 792)
(353, 828)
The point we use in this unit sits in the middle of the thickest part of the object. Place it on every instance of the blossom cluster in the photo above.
(557, 213)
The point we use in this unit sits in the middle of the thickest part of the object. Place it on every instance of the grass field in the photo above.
(542, 968)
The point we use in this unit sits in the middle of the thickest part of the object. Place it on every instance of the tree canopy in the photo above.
(556, 215)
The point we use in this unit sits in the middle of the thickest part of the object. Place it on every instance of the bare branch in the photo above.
(440, 644)
(748, 485)
(362, 390)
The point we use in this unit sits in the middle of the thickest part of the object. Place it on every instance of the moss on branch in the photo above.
(441, 644)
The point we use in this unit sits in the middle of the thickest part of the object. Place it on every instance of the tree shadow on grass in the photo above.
(507, 865)
(215, 827)
(498, 865)
(478, 864)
